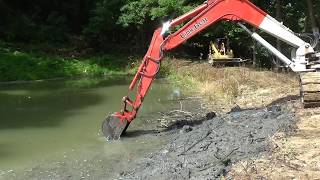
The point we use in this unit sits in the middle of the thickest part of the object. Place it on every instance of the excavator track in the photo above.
(310, 89)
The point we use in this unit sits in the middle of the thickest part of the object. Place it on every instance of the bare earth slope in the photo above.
(209, 150)
(295, 157)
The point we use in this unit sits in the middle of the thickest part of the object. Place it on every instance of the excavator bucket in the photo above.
(113, 127)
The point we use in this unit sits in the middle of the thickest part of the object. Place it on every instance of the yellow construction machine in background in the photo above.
(221, 54)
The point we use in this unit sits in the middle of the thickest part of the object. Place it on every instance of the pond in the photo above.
(52, 126)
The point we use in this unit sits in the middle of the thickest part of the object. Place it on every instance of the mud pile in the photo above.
(207, 151)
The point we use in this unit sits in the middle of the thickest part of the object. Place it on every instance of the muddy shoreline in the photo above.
(208, 150)
(200, 145)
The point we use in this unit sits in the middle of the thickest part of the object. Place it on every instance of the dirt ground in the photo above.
(210, 150)
(296, 156)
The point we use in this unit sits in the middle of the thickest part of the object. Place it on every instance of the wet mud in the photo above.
(208, 150)
(200, 145)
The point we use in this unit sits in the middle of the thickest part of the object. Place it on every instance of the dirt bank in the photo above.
(209, 150)
(200, 146)
(296, 156)
(223, 88)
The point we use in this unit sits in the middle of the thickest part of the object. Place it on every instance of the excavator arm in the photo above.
(199, 19)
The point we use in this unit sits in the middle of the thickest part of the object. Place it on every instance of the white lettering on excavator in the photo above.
(193, 28)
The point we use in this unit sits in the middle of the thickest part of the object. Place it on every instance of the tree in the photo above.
(139, 12)
(315, 28)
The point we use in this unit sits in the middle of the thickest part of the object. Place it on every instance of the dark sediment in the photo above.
(207, 151)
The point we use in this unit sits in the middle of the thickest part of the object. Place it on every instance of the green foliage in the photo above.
(15, 65)
(134, 13)
(54, 29)
(20, 28)
(99, 20)
(137, 13)
(24, 29)
(111, 26)
(21, 66)
(104, 16)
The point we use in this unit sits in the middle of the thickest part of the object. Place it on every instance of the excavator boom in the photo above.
(199, 19)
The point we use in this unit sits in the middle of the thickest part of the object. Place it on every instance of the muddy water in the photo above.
(55, 126)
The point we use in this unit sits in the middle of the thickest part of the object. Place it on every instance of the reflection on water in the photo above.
(54, 120)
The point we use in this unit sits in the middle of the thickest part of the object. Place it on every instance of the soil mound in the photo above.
(207, 151)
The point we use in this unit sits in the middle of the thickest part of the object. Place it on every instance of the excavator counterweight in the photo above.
(305, 60)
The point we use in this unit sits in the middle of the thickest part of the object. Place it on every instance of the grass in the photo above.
(224, 88)
(18, 65)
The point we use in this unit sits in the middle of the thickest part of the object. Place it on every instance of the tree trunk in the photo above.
(315, 28)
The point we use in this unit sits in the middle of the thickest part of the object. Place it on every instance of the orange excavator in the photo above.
(304, 59)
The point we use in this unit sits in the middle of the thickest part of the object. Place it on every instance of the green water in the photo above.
(44, 123)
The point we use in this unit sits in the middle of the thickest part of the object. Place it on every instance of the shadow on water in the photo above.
(20, 111)
(93, 82)
(48, 103)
